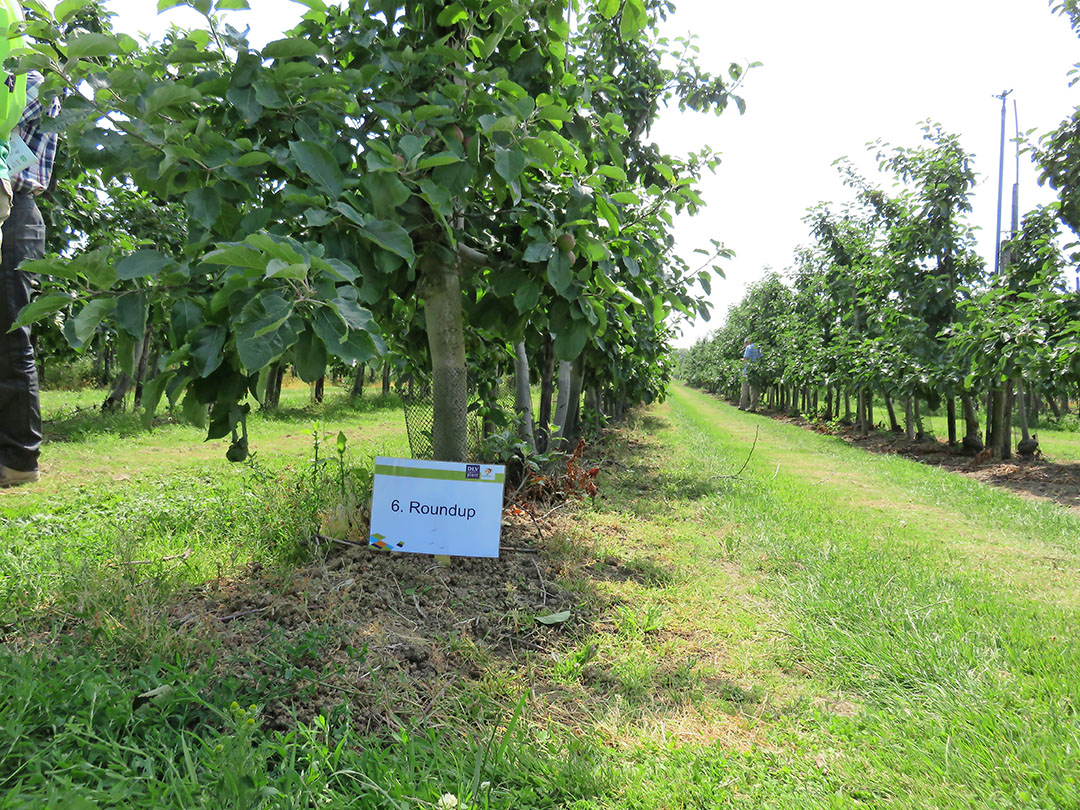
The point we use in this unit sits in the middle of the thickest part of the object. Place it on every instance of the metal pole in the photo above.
(1001, 182)
(1016, 185)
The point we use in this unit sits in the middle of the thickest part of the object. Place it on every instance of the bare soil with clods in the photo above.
(388, 632)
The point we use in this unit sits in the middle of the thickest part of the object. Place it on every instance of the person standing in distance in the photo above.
(20, 413)
(749, 396)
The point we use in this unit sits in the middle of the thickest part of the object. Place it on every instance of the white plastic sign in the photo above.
(437, 507)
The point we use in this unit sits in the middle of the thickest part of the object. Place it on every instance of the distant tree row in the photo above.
(890, 303)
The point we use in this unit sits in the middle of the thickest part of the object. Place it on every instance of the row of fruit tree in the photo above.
(891, 302)
(461, 185)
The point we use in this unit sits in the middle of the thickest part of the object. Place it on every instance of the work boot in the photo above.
(12, 478)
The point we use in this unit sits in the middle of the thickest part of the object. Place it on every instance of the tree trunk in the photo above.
(547, 388)
(1006, 421)
(440, 287)
(995, 421)
(909, 418)
(115, 400)
(1022, 409)
(106, 366)
(894, 425)
(1054, 409)
(971, 420)
(869, 410)
(140, 371)
(386, 378)
(847, 406)
(272, 397)
(920, 434)
(950, 409)
(570, 429)
(320, 389)
(357, 391)
(562, 405)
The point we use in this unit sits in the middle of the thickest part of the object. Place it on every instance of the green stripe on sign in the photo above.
(438, 475)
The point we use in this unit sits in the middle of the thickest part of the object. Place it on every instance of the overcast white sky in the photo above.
(836, 75)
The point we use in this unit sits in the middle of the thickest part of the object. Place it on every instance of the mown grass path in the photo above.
(850, 630)
(825, 628)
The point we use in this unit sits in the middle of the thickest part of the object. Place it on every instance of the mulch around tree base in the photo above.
(387, 632)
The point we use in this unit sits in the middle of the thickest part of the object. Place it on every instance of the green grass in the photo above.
(113, 493)
(828, 628)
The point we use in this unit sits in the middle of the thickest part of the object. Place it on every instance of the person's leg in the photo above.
(754, 393)
(23, 237)
(744, 395)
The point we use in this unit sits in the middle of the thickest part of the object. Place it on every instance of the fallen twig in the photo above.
(539, 531)
(543, 586)
(243, 613)
(187, 552)
(350, 543)
(520, 550)
(554, 509)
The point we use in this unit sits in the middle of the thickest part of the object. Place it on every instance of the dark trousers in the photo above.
(20, 410)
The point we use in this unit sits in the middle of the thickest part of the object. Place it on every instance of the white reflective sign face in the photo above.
(437, 507)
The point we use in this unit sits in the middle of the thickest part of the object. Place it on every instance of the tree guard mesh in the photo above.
(418, 404)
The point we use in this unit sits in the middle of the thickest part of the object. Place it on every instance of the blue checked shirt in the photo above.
(35, 178)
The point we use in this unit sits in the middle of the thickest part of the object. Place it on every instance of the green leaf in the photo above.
(252, 159)
(633, 19)
(237, 255)
(317, 163)
(42, 307)
(526, 297)
(614, 172)
(171, 95)
(90, 316)
(603, 207)
(88, 45)
(185, 318)
(353, 314)
(439, 159)
(131, 311)
(277, 268)
(608, 8)
(385, 192)
(411, 146)
(258, 336)
(451, 15)
(204, 206)
(56, 267)
(206, 349)
(66, 8)
(290, 48)
(538, 251)
(142, 264)
(509, 163)
(570, 341)
(388, 235)
(310, 356)
(559, 273)
(554, 618)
